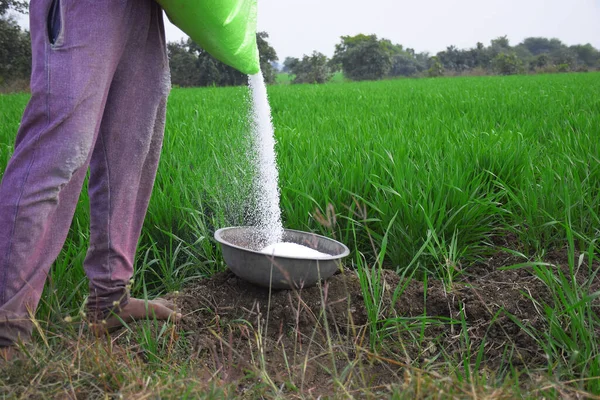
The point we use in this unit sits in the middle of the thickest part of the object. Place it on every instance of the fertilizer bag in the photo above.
(224, 28)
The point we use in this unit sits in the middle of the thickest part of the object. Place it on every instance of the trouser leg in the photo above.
(42, 182)
(125, 159)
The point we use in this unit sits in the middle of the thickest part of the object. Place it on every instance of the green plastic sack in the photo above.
(224, 28)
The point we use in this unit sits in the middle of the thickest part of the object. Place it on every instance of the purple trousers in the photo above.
(98, 100)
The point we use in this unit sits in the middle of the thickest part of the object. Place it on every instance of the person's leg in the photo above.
(124, 164)
(42, 181)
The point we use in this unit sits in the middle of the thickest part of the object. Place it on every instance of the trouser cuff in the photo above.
(103, 306)
(14, 330)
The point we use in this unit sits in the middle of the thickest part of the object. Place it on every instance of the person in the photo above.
(99, 87)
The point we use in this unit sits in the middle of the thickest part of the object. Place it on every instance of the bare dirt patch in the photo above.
(308, 339)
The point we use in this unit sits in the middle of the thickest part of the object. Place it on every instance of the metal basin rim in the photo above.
(219, 238)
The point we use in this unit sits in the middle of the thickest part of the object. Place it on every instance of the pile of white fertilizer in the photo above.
(293, 250)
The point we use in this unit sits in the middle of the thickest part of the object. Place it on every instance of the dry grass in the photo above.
(152, 359)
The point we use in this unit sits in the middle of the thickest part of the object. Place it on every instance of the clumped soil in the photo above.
(302, 338)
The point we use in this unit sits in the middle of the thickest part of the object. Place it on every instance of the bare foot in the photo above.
(137, 309)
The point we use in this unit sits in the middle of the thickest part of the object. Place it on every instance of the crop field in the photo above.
(471, 207)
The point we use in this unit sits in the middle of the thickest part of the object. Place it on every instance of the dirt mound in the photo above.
(289, 335)
(303, 338)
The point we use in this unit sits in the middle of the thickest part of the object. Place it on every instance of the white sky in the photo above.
(298, 27)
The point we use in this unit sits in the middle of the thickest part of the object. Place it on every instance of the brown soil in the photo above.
(303, 338)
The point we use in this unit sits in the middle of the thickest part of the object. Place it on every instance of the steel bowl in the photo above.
(241, 252)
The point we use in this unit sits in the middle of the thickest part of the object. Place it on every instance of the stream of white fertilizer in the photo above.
(267, 184)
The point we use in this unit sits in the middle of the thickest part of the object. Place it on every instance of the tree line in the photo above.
(366, 57)
(359, 57)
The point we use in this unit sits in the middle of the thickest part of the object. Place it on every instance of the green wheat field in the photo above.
(427, 178)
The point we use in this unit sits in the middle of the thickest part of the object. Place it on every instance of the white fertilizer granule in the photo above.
(293, 250)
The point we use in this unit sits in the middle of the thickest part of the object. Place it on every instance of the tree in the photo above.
(15, 45)
(540, 45)
(586, 54)
(507, 64)
(406, 64)
(481, 56)
(423, 59)
(289, 63)
(499, 45)
(363, 57)
(456, 60)
(501, 42)
(560, 55)
(13, 5)
(564, 57)
(523, 54)
(436, 69)
(183, 63)
(539, 62)
(311, 69)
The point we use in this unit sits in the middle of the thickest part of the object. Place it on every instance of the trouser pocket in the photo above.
(54, 22)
